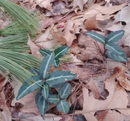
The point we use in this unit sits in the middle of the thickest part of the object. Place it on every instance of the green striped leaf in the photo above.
(59, 52)
(56, 63)
(45, 65)
(26, 88)
(41, 103)
(121, 58)
(58, 77)
(55, 99)
(45, 52)
(45, 91)
(115, 36)
(63, 106)
(65, 91)
(113, 48)
(96, 37)
(57, 85)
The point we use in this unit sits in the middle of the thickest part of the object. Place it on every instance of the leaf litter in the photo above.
(103, 85)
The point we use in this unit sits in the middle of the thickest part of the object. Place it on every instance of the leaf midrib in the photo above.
(114, 36)
(50, 79)
(59, 53)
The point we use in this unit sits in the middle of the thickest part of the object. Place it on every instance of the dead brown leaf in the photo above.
(29, 104)
(113, 101)
(60, 39)
(32, 117)
(33, 47)
(79, 3)
(5, 114)
(44, 3)
(91, 50)
(90, 23)
(96, 85)
(69, 33)
(111, 115)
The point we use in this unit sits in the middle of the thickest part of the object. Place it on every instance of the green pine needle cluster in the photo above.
(14, 52)
(22, 16)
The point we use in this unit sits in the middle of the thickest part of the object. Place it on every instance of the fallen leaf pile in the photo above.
(101, 91)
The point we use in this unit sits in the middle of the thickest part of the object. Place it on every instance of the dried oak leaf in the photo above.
(96, 85)
(117, 98)
(92, 49)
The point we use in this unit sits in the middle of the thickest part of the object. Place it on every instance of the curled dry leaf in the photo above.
(90, 23)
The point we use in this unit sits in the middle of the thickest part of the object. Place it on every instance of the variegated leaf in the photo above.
(59, 52)
(113, 48)
(121, 58)
(53, 99)
(115, 36)
(45, 91)
(58, 77)
(45, 65)
(26, 88)
(56, 63)
(45, 52)
(65, 91)
(63, 106)
(41, 103)
(96, 37)
(57, 85)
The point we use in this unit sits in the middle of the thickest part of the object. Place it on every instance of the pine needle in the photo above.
(22, 16)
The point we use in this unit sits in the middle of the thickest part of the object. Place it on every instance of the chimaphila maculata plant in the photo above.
(113, 50)
(44, 82)
(59, 52)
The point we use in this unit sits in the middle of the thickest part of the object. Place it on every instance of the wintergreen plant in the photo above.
(113, 50)
(59, 52)
(44, 82)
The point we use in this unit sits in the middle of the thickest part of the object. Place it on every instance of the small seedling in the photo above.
(113, 50)
(44, 82)
(59, 52)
